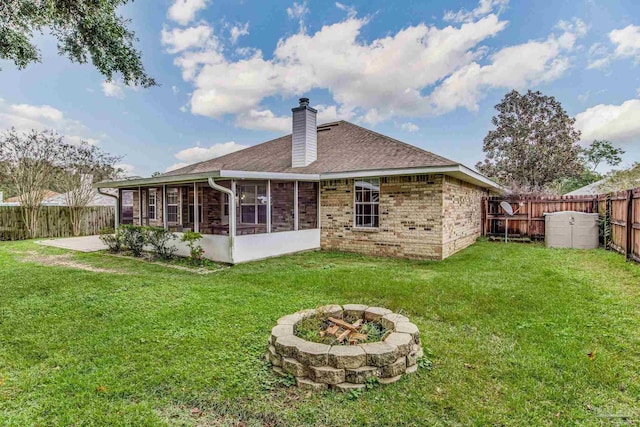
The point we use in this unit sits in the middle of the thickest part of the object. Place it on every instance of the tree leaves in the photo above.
(85, 29)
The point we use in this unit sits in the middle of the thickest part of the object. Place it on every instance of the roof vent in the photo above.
(305, 135)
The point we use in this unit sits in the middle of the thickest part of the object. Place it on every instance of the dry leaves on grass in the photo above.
(64, 260)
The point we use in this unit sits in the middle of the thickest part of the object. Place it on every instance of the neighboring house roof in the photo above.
(589, 190)
(97, 200)
(342, 147)
(48, 194)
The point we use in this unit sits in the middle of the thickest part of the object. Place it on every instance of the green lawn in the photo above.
(507, 327)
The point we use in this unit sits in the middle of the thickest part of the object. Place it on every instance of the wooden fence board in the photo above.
(54, 222)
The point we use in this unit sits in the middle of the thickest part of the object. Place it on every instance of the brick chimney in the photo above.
(305, 135)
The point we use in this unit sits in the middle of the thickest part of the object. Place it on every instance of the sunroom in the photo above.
(242, 216)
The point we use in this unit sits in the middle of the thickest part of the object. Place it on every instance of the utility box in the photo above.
(569, 229)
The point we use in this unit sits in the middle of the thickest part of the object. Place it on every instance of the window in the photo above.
(172, 205)
(225, 206)
(367, 203)
(152, 204)
(127, 206)
(253, 204)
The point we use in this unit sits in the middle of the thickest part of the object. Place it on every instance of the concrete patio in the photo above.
(80, 244)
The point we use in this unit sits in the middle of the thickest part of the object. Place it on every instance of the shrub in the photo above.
(112, 239)
(158, 238)
(133, 238)
(196, 252)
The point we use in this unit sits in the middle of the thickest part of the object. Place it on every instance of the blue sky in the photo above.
(428, 73)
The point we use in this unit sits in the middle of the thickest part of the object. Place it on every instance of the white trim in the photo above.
(458, 171)
(355, 223)
(295, 206)
(140, 205)
(155, 204)
(196, 210)
(284, 176)
(454, 170)
(268, 206)
(164, 207)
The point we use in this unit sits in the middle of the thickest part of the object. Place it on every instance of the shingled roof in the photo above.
(342, 147)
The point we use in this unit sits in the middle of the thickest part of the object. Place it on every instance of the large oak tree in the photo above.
(533, 144)
(85, 30)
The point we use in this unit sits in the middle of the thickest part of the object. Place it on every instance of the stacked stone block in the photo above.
(320, 367)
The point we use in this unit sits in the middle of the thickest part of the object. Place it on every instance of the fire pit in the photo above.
(344, 347)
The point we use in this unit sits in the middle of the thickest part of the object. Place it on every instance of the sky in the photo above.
(425, 72)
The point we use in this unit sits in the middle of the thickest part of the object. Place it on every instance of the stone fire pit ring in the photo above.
(319, 367)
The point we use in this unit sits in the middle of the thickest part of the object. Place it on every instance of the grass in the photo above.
(516, 335)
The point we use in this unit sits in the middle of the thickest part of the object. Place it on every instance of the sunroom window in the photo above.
(367, 203)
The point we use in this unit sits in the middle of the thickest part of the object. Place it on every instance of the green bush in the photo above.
(158, 238)
(133, 238)
(196, 252)
(112, 239)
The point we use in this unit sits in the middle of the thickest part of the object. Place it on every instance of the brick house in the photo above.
(336, 186)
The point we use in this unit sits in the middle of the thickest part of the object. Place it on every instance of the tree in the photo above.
(85, 29)
(601, 151)
(155, 174)
(86, 163)
(622, 179)
(533, 144)
(29, 164)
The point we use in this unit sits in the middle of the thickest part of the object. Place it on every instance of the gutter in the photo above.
(232, 212)
(116, 223)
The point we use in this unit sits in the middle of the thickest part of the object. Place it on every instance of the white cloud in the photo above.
(112, 89)
(357, 74)
(617, 123)
(184, 11)
(627, 41)
(627, 45)
(332, 113)
(178, 40)
(351, 10)
(514, 67)
(199, 154)
(485, 7)
(409, 127)
(26, 117)
(298, 11)
(175, 90)
(442, 69)
(263, 120)
(237, 31)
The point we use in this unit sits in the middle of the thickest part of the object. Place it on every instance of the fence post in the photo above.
(629, 225)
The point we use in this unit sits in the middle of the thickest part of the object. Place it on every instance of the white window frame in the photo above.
(255, 204)
(152, 192)
(370, 203)
(224, 206)
(170, 192)
(191, 208)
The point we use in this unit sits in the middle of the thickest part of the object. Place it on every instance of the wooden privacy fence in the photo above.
(619, 213)
(54, 221)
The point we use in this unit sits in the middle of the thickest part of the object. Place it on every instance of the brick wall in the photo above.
(307, 205)
(411, 210)
(282, 206)
(462, 223)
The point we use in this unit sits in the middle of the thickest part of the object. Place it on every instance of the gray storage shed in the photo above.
(570, 229)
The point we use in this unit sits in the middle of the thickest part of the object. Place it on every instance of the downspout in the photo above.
(232, 212)
(116, 223)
